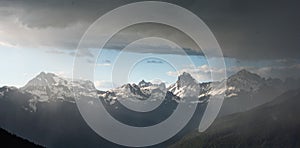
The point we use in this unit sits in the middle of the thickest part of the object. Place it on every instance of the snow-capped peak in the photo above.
(185, 79)
(244, 74)
(186, 86)
(144, 90)
(44, 79)
(50, 87)
(245, 80)
(143, 83)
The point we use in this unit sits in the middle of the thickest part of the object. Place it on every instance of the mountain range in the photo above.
(245, 90)
(46, 104)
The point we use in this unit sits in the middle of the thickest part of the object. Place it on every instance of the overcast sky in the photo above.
(248, 32)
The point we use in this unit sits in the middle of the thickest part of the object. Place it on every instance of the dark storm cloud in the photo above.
(144, 30)
(57, 13)
(55, 52)
(255, 29)
(268, 29)
(154, 62)
(106, 61)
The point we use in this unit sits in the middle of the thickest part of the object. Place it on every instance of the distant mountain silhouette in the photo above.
(275, 124)
(11, 140)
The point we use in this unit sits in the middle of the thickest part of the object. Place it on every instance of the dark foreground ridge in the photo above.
(11, 140)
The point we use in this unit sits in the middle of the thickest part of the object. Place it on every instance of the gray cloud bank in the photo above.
(251, 30)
